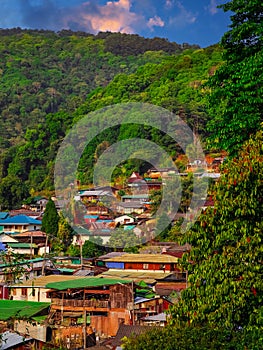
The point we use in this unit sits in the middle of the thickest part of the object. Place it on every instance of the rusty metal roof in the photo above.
(145, 258)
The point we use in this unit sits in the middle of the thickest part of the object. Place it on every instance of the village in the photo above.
(76, 302)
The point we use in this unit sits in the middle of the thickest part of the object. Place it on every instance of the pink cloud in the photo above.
(114, 16)
(155, 21)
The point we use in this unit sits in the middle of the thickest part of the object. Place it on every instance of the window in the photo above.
(145, 266)
(162, 267)
(24, 292)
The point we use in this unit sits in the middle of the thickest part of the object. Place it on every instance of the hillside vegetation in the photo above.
(50, 80)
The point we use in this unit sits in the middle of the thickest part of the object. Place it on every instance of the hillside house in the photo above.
(124, 220)
(101, 303)
(144, 262)
(35, 289)
(127, 208)
(19, 223)
(29, 269)
(15, 314)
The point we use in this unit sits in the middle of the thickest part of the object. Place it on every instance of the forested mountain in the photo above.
(50, 80)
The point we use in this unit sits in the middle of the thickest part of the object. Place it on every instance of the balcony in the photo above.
(74, 303)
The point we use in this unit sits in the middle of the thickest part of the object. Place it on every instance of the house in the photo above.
(124, 219)
(155, 320)
(90, 218)
(101, 303)
(34, 289)
(127, 208)
(154, 173)
(27, 269)
(144, 185)
(95, 195)
(144, 307)
(95, 230)
(97, 209)
(19, 223)
(3, 215)
(23, 211)
(39, 204)
(13, 341)
(135, 176)
(141, 267)
(144, 262)
(17, 315)
(137, 198)
(37, 237)
(17, 247)
(28, 249)
(125, 331)
(29, 243)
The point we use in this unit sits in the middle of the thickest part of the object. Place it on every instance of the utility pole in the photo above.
(31, 243)
(45, 253)
(132, 310)
(85, 329)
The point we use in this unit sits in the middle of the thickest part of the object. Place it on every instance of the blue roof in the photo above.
(91, 216)
(129, 227)
(2, 246)
(20, 219)
(106, 221)
(3, 215)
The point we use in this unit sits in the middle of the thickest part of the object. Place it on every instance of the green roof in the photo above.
(20, 308)
(64, 269)
(24, 262)
(21, 245)
(85, 283)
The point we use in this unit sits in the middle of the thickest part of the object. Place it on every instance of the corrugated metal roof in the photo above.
(3, 215)
(42, 281)
(18, 245)
(20, 308)
(157, 318)
(149, 277)
(20, 219)
(145, 258)
(10, 340)
(85, 282)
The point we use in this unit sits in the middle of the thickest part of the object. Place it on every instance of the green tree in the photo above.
(124, 240)
(50, 219)
(193, 338)
(13, 191)
(236, 97)
(224, 265)
(92, 248)
(73, 250)
(64, 235)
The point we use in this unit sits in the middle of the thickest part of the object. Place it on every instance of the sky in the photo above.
(182, 21)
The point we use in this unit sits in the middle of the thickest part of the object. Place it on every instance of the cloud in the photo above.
(114, 16)
(183, 17)
(212, 8)
(155, 21)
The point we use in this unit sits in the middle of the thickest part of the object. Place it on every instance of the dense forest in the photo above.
(51, 80)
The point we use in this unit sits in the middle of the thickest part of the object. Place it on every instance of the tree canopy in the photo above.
(236, 88)
(225, 270)
(50, 219)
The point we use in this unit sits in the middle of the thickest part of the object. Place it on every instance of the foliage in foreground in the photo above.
(195, 338)
(225, 262)
(236, 97)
